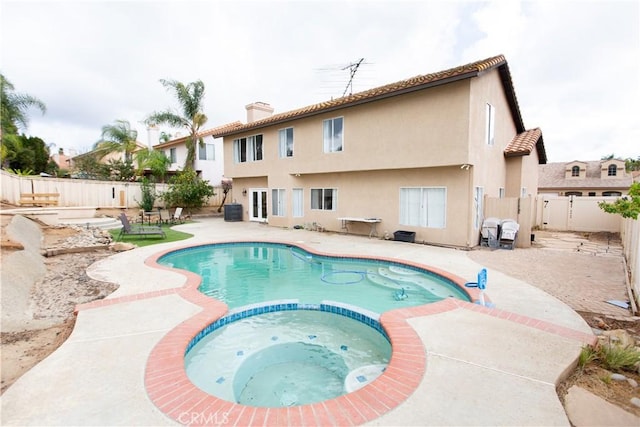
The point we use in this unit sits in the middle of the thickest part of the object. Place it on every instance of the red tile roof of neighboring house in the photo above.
(524, 143)
(215, 132)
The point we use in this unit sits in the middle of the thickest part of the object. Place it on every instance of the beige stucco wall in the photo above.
(415, 140)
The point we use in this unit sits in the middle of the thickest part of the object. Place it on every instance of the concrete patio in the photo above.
(483, 366)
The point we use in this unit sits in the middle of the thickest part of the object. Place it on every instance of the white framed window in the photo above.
(206, 152)
(612, 170)
(247, 149)
(278, 202)
(172, 155)
(478, 201)
(523, 192)
(297, 199)
(285, 142)
(333, 134)
(490, 128)
(501, 193)
(575, 171)
(423, 206)
(323, 199)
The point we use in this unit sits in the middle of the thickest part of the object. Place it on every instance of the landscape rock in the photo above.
(122, 246)
(618, 377)
(618, 336)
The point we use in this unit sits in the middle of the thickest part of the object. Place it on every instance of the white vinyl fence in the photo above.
(576, 213)
(630, 235)
(85, 192)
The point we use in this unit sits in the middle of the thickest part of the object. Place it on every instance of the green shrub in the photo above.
(616, 358)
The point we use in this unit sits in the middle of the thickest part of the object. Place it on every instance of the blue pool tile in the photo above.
(361, 378)
(312, 337)
(220, 380)
(344, 347)
(239, 353)
(274, 338)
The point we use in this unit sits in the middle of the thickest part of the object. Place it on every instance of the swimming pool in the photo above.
(246, 273)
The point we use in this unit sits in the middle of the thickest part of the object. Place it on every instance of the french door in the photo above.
(258, 207)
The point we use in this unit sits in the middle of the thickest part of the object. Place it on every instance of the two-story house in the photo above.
(419, 154)
(209, 164)
(591, 178)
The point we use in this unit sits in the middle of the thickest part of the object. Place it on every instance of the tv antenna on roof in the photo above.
(353, 68)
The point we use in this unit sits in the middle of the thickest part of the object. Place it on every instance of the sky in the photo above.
(575, 65)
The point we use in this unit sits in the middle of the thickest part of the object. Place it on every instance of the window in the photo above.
(573, 193)
(501, 193)
(333, 134)
(172, 155)
(612, 170)
(298, 202)
(285, 142)
(247, 149)
(490, 124)
(423, 206)
(323, 198)
(611, 193)
(206, 152)
(523, 192)
(592, 193)
(278, 202)
(575, 171)
(479, 207)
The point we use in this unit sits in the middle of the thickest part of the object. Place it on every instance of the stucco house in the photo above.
(418, 155)
(209, 164)
(584, 178)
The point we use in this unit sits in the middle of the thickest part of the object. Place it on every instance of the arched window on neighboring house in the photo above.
(611, 193)
(573, 193)
(575, 171)
(612, 171)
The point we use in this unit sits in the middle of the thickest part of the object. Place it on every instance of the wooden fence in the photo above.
(85, 192)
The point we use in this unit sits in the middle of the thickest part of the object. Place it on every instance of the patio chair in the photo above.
(177, 216)
(138, 230)
(508, 233)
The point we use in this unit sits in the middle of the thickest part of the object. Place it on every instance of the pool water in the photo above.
(246, 273)
(287, 358)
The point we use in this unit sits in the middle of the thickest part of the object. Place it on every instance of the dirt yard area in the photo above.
(565, 274)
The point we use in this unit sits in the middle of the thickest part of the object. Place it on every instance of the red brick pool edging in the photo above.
(174, 394)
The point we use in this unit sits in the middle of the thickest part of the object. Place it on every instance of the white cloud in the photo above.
(575, 65)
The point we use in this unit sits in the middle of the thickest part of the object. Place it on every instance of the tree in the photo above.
(26, 153)
(14, 106)
(155, 161)
(187, 190)
(190, 97)
(13, 116)
(632, 165)
(227, 185)
(118, 137)
(627, 206)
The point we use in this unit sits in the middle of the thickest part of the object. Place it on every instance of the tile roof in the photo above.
(215, 132)
(524, 143)
(552, 176)
(398, 88)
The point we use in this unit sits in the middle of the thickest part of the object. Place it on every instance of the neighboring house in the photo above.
(63, 160)
(209, 164)
(420, 154)
(115, 155)
(591, 178)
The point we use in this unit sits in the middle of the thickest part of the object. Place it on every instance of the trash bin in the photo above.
(233, 212)
(405, 236)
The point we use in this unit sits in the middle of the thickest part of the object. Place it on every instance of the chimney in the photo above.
(153, 134)
(257, 111)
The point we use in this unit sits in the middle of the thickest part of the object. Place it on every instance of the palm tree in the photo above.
(156, 161)
(118, 137)
(190, 97)
(14, 106)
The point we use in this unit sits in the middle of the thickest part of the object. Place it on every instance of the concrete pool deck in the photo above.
(483, 366)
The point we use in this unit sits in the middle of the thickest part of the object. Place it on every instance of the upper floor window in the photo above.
(206, 152)
(612, 170)
(575, 171)
(332, 131)
(490, 124)
(172, 155)
(247, 149)
(323, 198)
(285, 142)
